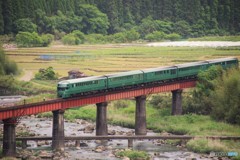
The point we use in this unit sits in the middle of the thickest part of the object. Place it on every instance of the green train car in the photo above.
(124, 79)
(75, 87)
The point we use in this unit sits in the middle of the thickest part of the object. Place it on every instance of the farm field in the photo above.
(110, 58)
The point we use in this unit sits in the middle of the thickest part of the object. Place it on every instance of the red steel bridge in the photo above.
(10, 115)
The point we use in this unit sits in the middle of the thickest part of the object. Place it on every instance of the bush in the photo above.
(46, 74)
(225, 97)
(205, 146)
(47, 39)
(120, 104)
(173, 37)
(95, 38)
(160, 101)
(74, 38)
(156, 36)
(27, 39)
(7, 67)
(133, 155)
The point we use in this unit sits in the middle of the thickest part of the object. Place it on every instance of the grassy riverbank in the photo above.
(123, 113)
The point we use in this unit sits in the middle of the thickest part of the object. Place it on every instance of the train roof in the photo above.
(158, 69)
(124, 73)
(191, 64)
(222, 59)
(70, 81)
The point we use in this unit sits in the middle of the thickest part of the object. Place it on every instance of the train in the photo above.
(123, 80)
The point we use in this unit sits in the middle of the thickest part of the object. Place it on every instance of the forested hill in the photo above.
(189, 17)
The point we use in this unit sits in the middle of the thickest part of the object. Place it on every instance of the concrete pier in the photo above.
(101, 119)
(58, 130)
(9, 138)
(140, 116)
(177, 102)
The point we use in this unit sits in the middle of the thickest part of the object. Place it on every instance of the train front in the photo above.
(62, 87)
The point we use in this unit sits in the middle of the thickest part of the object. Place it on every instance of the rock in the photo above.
(45, 154)
(101, 148)
(38, 125)
(40, 143)
(83, 145)
(98, 150)
(111, 132)
(125, 158)
(32, 134)
(109, 148)
(84, 122)
(78, 148)
(98, 141)
(89, 129)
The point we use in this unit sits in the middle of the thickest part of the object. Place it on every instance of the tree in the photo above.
(27, 39)
(46, 74)
(225, 97)
(25, 25)
(94, 21)
(182, 28)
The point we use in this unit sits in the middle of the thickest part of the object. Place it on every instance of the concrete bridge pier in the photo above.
(101, 119)
(9, 137)
(58, 130)
(140, 116)
(177, 102)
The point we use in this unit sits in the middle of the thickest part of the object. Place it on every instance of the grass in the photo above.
(133, 155)
(103, 59)
(160, 120)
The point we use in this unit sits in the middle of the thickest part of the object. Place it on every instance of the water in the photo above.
(43, 127)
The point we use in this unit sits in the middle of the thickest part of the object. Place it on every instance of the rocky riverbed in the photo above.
(94, 150)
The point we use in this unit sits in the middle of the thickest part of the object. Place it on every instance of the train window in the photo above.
(173, 71)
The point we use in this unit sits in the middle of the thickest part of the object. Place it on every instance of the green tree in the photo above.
(225, 98)
(94, 21)
(25, 25)
(46, 74)
(27, 39)
(182, 28)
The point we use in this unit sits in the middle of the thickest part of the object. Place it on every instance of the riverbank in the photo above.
(161, 121)
(111, 150)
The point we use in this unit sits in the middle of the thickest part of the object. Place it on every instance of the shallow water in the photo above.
(43, 127)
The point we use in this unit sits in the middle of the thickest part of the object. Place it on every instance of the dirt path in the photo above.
(195, 44)
(28, 75)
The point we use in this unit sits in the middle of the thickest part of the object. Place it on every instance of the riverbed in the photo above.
(96, 150)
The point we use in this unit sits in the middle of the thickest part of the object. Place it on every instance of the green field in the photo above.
(102, 59)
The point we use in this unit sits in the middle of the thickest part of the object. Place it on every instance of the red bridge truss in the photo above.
(61, 104)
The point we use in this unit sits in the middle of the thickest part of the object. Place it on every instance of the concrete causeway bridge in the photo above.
(10, 115)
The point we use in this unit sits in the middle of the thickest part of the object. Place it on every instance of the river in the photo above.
(88, 150)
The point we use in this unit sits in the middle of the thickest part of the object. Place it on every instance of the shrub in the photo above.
(95, 38)
(46, 74)
(205, 146)
(133, 155)
(25, 25)
(74, 38)
(27, 39)
(47, 39)
(156, 36)
(120, 104)
(225, 97)
(160, 101)
(173, 37)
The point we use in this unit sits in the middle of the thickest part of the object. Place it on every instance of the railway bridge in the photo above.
(10, 115)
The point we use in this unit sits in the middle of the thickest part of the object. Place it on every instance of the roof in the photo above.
(77, 80)
(191, 64)
(158, 69)
(124, 73)
(222, 59)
